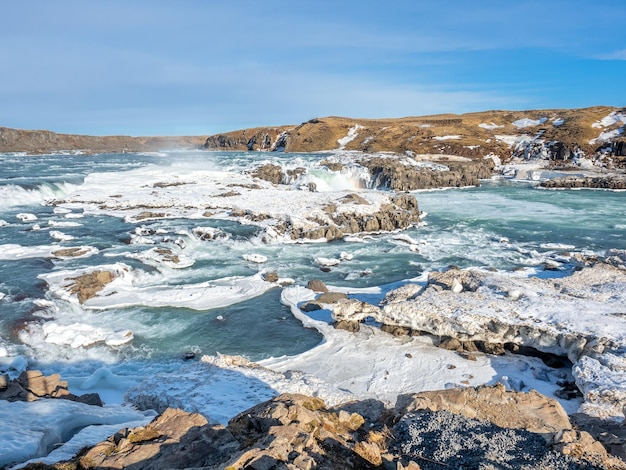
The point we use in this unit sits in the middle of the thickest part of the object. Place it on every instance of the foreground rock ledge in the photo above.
(425, 430)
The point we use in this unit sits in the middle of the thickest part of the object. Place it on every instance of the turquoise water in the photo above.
(501, 225)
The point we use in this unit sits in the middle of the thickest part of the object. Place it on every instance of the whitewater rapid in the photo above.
(190, 254)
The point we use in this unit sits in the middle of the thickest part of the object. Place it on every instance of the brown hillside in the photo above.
(15, 140)
(473, 135)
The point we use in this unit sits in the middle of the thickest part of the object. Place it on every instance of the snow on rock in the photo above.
(352, 134)
(15, 252)
(255, 258)
(78, 335)
(525, 122)
(514, 140)
(345, 256)
(556, 122)
(282, 212)
(26, 217)
(159, 257)
(12, 366)
(327, 262)
(614, 118)
(446, 137)
(371, 363)
(127, 287)
(209, 233)
(490, 127)
(62, 237)
(543, 313)
(28, 430)
(603, 383)
(607, 136)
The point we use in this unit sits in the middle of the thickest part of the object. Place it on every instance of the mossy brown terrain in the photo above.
(471, 135)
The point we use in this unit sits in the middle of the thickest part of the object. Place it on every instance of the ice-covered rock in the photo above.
(542, 313)
(255, 258)
(603, 383)
(327, 262)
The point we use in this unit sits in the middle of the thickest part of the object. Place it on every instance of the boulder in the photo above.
(271, 276)
(297, 431)
(88, 285)
(531, 411)
(316, 285)
(352, 326)
(330, 297)
(32, 385)
(402, 293)
(353, 310)
(269, 172)
(455, 280)
(174, 439)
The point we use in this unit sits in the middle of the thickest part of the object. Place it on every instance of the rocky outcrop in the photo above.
(32, 385)
(393, 174)
(269, 172)
(591, 182)
(472, 427)
(89, 284)
(266, 138)
(175, 439)
(401, 212)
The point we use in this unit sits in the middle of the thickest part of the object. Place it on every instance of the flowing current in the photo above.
(502, 225)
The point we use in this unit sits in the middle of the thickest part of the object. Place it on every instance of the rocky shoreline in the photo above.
(458, 428)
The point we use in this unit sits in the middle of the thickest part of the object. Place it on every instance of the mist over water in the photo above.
(500, 225)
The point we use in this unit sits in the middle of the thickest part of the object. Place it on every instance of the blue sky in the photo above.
(150, 67)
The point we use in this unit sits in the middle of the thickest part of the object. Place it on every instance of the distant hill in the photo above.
(558, 134)
(16, 140)
(595, 134)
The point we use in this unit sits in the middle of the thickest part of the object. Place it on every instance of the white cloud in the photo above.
(251, 62)
(616, 55)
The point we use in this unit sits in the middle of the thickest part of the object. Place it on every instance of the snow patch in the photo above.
(491, 126)
(614, 118)
(525, 122)
(352, 134)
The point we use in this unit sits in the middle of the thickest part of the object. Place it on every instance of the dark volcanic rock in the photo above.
(392, 174)
(267, 138)
(592, 182)
(441, 439)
